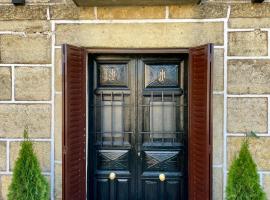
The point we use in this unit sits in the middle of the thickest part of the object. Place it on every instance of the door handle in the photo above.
(162, 177)
(139, 154)
(112, 176)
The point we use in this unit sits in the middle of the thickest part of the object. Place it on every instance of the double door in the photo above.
(137, 127)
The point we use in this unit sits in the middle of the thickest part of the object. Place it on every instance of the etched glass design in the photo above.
(114, 75)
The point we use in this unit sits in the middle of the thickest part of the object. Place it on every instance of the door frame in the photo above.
(89, 51)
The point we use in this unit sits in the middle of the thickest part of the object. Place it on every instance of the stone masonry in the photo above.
(31, 73)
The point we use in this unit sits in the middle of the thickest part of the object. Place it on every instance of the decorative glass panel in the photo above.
(161, 76)
(162, 119)
(113, 75)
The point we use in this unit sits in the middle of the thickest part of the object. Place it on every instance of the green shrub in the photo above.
(243, 179)
(27, 182)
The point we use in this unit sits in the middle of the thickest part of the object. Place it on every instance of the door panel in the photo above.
(139, 127)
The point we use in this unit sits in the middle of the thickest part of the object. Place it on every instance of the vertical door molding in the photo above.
(74, 123)
(200, 127)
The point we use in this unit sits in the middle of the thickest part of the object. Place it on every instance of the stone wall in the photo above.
(30, 72)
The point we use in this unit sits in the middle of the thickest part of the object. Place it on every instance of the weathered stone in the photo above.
(5, 181)
(247, 114)
(217, 183)
(259, 149)
(248, 43)
(249, 23)
(140, 35)
(218, 70)
(58, 128)
(250, 11)
(13, 119)
(58, 181)
(33, 26)
(266, 184)
(34, 48)
(131, 12)
(32, 83)
(71, 11)
(190, 11)
(5, 83)
(249, 76)
(3, 156)
(11, 12)
(42, 150)
(218, 129)
(58, 70)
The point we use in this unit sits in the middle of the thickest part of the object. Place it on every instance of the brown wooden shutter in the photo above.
(74, 126)
(200, 128)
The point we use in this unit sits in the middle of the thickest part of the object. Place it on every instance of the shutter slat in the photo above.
(74, 126)
(199, 143)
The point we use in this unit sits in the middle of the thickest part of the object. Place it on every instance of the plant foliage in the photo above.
(243, 179)
(27, 182)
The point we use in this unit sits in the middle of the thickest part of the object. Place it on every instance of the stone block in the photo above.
(266, 184)
(27, 26)
(218, 129)
(42, 150)
(3, 156)
(34, 48)
(256, 23)
(32, 83)
(5, 83)
(250, 11)
(247, 114)
(27, 12)
(58, 127)
(13, 119)
(58, 70)
(249, 77)
(5, 181)
(140, 35)
(58, 181)
(249, 43)
(218, 70)
(217, 184)
(131, 12)
(193, 11)
(259, 149)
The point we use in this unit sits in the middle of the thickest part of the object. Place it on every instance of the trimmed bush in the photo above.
(27, 182)
(243, 179)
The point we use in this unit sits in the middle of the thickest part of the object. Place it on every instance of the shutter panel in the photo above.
(200, 128)
(74, 124)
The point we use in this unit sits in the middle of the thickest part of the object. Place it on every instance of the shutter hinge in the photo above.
(65, 150)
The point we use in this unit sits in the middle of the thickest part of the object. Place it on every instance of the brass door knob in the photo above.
(162, 177)
(112, 176)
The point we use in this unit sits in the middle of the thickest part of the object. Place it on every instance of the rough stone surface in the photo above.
(259, 149)
(218, 70)
(34, 48)
(3, 157)
(32, 83)
(190, 11)
(247, 114)
(218, 129)
(33, 26)
(71, 11)
(58, 128)
(58, 181)
(5, 181)
(266, 184)
(247, 43)
(42, 150)
(249, 76)
(217, 183)
(58, 70)
(250, 11)
(250, 23)
(5, 83)
(11, 12)
(140, 35)
(131, 12)
(13, 119)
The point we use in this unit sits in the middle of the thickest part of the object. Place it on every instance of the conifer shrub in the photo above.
(27, 182)
(243, 179)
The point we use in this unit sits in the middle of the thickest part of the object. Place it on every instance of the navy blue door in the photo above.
(138, 127)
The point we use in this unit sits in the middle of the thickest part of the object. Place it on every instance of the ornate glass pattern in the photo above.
(161, 75)
(113, 159)
(113, 75)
